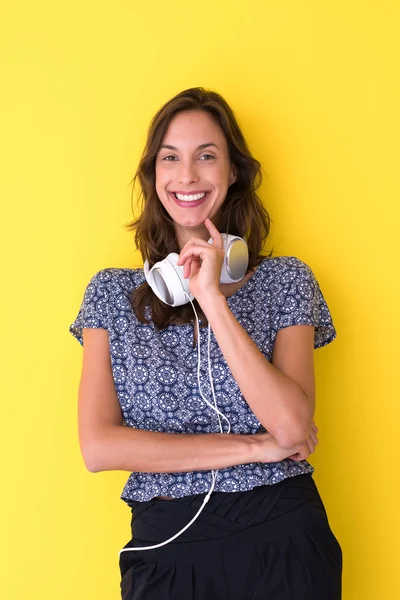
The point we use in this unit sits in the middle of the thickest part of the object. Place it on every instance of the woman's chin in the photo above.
(193, 221)
(193, 225)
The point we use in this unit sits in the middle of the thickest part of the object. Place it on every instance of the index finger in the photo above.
(217, 238)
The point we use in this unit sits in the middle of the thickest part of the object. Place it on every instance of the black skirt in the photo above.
(271, 543)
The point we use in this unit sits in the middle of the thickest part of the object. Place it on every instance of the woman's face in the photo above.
(193, 172)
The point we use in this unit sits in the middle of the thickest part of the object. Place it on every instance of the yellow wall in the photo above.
(315, 87)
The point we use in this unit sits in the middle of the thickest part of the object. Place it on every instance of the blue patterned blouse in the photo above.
(155, 373)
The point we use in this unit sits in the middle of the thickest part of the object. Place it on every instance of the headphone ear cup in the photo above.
(236, 258)
(167, 281)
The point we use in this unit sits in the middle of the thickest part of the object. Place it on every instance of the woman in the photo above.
(246, 410)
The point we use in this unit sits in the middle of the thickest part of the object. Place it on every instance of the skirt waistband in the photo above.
(156, 520)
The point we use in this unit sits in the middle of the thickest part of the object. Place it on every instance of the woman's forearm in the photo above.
(128, 449)
(277, 401)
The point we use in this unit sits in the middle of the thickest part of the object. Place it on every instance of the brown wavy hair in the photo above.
(242, 212)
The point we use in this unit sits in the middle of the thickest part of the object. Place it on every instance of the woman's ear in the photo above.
(232, 174)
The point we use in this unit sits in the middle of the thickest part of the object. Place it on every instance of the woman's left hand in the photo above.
(202, 262)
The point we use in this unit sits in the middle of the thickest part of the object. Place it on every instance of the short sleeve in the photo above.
(93, 312)
(299, 301)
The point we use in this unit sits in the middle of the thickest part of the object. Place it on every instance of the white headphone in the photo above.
(168, 283)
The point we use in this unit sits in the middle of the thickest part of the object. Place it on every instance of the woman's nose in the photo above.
(187, 172)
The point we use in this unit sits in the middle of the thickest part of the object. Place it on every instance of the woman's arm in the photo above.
(127, 449)
(107, 445)
(281, 393)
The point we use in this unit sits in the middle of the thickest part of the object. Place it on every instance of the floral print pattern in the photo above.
(155, 373)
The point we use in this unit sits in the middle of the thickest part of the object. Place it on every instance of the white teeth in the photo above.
(190, 197)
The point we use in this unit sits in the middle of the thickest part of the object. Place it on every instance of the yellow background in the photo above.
(315, 87)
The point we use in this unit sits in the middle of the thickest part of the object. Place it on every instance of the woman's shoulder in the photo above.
(118, 278)
(283, 264)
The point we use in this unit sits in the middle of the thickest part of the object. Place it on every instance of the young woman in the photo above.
(226, 407)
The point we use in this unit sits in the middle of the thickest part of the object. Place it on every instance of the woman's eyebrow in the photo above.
(201, 147)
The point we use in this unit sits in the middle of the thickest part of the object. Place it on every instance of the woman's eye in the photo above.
(173, 158)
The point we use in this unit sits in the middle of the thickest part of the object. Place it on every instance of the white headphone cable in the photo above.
(219, 413)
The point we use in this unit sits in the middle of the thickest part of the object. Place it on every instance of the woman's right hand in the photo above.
(270, 451)
(304, 450)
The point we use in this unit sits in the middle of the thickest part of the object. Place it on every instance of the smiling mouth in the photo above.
(189, 197)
